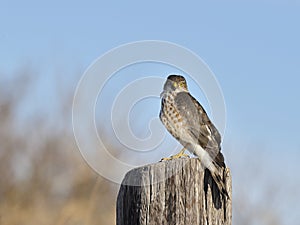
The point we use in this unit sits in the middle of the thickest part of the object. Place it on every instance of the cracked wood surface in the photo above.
(178, 191)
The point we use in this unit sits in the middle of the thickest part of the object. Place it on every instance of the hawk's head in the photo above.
(175, 83)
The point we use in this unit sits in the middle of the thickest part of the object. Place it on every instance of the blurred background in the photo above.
(252, 47)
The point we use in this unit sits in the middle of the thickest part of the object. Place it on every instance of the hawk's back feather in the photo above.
(199, 125)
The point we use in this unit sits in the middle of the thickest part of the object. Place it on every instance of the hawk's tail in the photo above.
(220, 182)
(215, 167)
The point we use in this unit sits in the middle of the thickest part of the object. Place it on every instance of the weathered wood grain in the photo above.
(173, 192)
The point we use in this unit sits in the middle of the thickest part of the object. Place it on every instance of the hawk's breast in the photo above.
(170, 116)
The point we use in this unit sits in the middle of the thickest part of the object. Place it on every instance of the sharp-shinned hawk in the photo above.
(187, 121)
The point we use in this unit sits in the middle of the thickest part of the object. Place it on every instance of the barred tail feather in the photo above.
(220, 183)
(213, 167)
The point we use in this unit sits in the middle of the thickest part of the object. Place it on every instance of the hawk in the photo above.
(187, 121)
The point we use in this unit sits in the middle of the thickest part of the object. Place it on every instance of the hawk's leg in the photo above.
(178, 155)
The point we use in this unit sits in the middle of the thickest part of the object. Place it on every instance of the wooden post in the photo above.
(173, 192)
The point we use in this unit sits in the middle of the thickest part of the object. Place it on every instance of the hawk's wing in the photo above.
(199, 126)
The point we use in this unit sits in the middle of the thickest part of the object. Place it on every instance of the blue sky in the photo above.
(252, 47)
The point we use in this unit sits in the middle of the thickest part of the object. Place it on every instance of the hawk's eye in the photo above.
(181, 84)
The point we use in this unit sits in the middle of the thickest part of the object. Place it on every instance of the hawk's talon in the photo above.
(177, 156)
(180, 154)
(166, 159)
